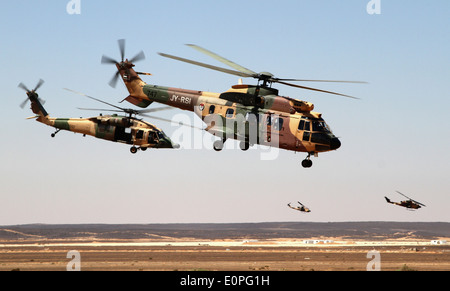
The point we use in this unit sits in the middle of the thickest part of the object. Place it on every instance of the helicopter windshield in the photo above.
(320, 125)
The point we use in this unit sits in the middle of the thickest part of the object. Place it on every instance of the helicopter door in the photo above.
(123, 134)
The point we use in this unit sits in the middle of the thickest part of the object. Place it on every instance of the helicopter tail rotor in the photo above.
(124, 65)
(33, 97)
(31, 93)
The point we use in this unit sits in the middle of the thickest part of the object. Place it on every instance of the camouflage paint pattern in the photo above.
(302, 129)
(114, 128)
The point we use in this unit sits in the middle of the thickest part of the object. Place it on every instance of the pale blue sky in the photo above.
(396, 137)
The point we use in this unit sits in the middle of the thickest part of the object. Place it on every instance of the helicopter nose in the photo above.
(335, 143)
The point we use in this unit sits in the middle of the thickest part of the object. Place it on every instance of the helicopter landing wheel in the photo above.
(54, 134)
(218, 145)
(143, 149)
(133, 150)
(306, 163)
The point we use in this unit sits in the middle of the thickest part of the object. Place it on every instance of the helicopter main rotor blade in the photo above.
(96, 109)
(410, 198)
(314, 89)
(154, 109)
(82, 94)
(325, 81)
(419, 203)
(223, 70)
(168, 120)
(403, 194)
(223, 60)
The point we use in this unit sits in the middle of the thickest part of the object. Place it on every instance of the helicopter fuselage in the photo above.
(114, 128)
(251, 114)
(289, 122)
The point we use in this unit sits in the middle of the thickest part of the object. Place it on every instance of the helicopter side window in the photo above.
(307, 126)
(212, 108)
(229, 113)
(306, 136)
(139, 134)
(301, 125)
(278, 123)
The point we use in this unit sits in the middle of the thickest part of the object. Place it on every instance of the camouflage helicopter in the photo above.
(301, 208)
(408, 204)
(252, 114)
(124, 129)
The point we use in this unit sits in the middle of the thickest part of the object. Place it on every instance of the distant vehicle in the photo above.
(301, 208)
(408, 204)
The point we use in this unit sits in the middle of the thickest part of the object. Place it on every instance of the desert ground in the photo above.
(29, 249)
(224, 256)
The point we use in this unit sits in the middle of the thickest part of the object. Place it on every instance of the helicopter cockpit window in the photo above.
(320, 125)
(160, 135)
(151, 137)
(229, 113)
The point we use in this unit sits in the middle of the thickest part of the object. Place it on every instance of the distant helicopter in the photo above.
(408, 204)
(252, 114)
(301, 208)
(124, 129)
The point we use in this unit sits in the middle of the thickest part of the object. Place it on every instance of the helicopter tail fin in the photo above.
(387, 199)
(140, 102)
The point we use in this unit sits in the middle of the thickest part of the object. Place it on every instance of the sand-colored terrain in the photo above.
(179, 255)
(290, 246)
